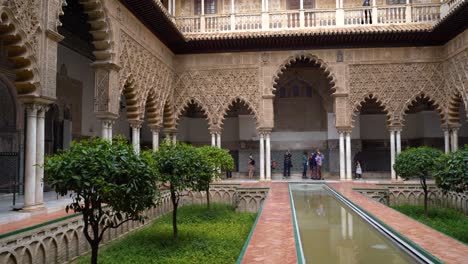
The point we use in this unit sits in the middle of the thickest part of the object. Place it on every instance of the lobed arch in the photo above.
(453, 109)
(231, 102)
(168, 119)
(20, 52)
(130, 92)
(311, 59)
(101, 29)
(410, 102)
(151, 109)
(192, 100)
(356, 108)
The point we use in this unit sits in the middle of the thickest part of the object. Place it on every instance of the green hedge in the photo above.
(205, 236)
(448, 221)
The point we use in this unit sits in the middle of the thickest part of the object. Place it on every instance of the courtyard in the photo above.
(233, 131)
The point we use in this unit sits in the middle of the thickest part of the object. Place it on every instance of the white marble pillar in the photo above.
(39, 192)
(447, 140)
(454, 139)
(301, 4)
(392, 153)
(202, 11)
(342, 157)
(104, 129)
(136, 136)
(107, 129)
(398, 141)
(30, 159)
(155, 132)
(268, 156)
(262, 157)
(349, 175)
(218, 139)
(233, 9)
(174, 138)
(213, 139)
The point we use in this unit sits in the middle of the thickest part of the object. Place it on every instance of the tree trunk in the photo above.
(94, 252)
(174, 212)
(424, 186)
(208, 196)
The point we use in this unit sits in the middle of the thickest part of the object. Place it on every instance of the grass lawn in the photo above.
(448, 221)
(205, 236)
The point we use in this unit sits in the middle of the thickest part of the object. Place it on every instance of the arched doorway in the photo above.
(192, 126)
(304, 118)
(9, 139)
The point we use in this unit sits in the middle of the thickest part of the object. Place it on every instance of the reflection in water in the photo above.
(333, 233)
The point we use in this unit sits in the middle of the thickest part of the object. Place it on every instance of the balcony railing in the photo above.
(297, 19)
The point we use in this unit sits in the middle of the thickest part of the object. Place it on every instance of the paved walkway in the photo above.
(441, 246)
(273, 238)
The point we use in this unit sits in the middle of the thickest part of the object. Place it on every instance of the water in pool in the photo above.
(332, 233)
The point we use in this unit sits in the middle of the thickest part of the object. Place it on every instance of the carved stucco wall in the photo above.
(214, 90)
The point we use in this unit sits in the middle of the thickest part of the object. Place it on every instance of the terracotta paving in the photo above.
(273, 238)
(36, 219)
(436, 243)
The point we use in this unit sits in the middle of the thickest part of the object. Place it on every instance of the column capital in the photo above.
(155, 128)
(264, 130)
(135, 123)
(395, 128)
(454, 126)
(169, 131)
(344, 130)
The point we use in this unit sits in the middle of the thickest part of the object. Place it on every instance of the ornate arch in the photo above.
(231, 102)
(438, 107)
(130, 91)
(453, 109)
(192, 100)
(21, 42)
(168, 114)
(101, 29)
(356, 108)
(312, 59)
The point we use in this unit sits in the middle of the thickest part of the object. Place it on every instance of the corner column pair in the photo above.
(395, 148)
(265, 155)
(451, 137)
(345, 154)
(34, 158)
(215, 137)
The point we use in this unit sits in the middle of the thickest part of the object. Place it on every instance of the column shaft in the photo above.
(136, 136)
(455, 139)
(39, 195)
(342, 157)
(218, 140)
(348, 157)
(392, 153)
(268, 157)
(30, 160)
(104, 129)
(262, 157)
(155, 140)
(398, 141)
(447, 140)
(174, 138)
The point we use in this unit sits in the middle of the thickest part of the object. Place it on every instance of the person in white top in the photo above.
(358, 170)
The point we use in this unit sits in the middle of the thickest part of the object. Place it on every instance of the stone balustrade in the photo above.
(398, 194)
(311, 18)
(62, 240)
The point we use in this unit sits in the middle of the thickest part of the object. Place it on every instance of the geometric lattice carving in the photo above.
(215, 90)
(396, 86)
(143, 76)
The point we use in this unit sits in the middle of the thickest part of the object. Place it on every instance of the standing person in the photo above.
(358, 170)
(287, 164)
(319, 159)
(313, 165)
(251, 167)
(367, 13)
(305, 161)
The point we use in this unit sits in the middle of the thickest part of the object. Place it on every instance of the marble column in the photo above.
(136, 126)
(155, 132)
(446, 140)
(218, 139)
(455, 139)
(349, 173)
(268, 156)
(392, 153)
(107, 129)
(262, 157)
(342, 157)
(39, 192)
(398, 141)
(174, 138)
(213, 139)
(30, 159)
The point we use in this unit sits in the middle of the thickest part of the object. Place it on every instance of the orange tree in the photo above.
(109, 184)
(420, 162)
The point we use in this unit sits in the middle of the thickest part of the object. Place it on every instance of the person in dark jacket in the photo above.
(287, 164)
(367, 13)
(305, 161)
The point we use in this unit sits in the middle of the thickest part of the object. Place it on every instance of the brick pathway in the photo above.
(273, 238)
(37, 218)
(436, 243)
